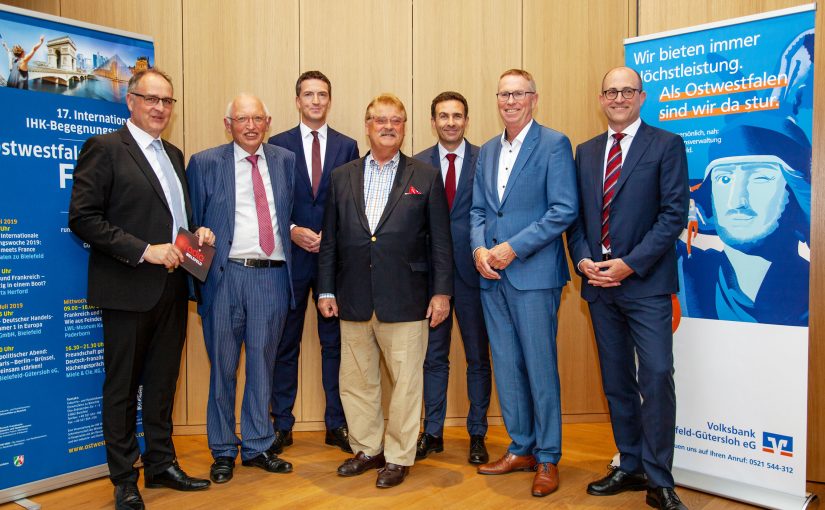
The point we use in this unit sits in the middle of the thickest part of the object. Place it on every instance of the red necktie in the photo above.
(611, 177)
(449, 181)
(316, 163)
(265, 236)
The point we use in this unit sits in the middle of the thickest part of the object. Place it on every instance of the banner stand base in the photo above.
(28, 504)
(760, 496)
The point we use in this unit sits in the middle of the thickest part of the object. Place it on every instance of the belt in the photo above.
(258, 262)
(606, 256)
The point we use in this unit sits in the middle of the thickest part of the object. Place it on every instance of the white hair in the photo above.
(228, 114)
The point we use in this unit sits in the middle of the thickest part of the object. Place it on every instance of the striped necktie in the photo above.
(611, 177)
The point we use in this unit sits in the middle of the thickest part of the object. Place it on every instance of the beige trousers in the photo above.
(403, 345)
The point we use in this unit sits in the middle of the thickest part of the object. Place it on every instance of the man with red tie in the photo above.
(456, 157)
(633, 191)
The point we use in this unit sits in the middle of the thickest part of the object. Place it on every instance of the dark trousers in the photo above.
(285, 379)
(643, 408)
(142, 348)
(467, 306)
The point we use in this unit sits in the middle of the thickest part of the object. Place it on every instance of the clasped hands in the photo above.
(608, 273)
(169, 256)
(497, 258)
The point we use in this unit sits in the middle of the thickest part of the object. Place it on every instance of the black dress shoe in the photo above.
(664, 498)
(391, 475)
(361, 463)
(338, 437)
(221, 470)
(269, 461)
(175, 478)
(283, 438)
(478, 452)
(617, 481)
(127, 497)
(428, 443)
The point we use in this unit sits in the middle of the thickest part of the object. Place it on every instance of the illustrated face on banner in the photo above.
(151, 118)
(749, 197)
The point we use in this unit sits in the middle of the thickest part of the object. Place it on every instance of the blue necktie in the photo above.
(178, 212)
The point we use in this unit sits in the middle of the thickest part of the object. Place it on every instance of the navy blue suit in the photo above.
(240, 305)
(308, 212)
(520, 310)
(467, 305)
(649, 211)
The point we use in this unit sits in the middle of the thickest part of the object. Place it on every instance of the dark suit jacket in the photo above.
(648, 213)
(386, 272)
(211, 175)
(308, 210)
(460, 213)
(118, 207)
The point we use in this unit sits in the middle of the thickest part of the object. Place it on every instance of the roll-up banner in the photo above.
(740, 93)
(61, 81)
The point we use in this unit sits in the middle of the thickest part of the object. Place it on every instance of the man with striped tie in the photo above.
(633, 191)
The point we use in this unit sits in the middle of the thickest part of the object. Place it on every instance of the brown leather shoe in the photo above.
(391, 475)
(508, 464)
(361, 463)
(546, 479)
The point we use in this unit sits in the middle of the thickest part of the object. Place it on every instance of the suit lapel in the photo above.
(402, 177)
(301, 163)
(466, 168)
(530, 142)
(597, 174)
(639, 146)
(228, 181)
(137, 154)
(356, 182)
(492, 177)
(279, 187)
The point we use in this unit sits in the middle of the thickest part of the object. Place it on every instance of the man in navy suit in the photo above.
(456, 157)
(318, 149)
(633, 183)
(524, 198)
(243, 190)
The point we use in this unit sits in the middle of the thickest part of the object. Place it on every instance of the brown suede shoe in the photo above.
(391, 475)
(508, 464)
(361, 463)
(546, 479)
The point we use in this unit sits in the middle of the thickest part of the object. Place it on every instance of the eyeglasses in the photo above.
(395, 121)
(243, 119)
(518, 95)
(627, 93)
(153, 100)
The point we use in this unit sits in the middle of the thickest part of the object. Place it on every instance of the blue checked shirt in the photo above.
(377, 185)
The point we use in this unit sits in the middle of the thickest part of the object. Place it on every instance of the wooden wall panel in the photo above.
(47, 6)
(656, 17)
(568, 64)
(365, 48)
(232, 47)
(452, 50)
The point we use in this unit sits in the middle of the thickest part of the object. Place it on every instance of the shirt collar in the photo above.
(459, 151)
(306, 131)
(629, 131)
(519, 137)
(143, 139)
(390, 164)
(241, 155)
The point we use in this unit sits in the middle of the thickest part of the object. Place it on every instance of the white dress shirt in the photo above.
(629, 135)
(246, 242)
(306, 139)
(507, 158)
(445, 163)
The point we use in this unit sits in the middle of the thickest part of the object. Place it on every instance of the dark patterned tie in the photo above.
(265, 236)
(611, 177)
(449, 181)
(316, 164)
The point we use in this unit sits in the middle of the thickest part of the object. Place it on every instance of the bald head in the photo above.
(622, 70)
(247, 121)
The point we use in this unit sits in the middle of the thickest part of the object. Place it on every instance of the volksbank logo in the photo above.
(777, 443)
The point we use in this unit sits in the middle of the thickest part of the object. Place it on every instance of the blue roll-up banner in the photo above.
(740, 93)
(51, 340)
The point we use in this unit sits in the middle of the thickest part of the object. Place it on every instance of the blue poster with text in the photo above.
(60, 83)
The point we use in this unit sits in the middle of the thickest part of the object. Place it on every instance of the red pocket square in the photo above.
(413, 191)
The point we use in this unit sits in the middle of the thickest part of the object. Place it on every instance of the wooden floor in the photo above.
(444, 480)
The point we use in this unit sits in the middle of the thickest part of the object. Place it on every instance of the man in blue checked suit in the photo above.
(524, 198)
(318, 149)
(456, 157)
(244, 191)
